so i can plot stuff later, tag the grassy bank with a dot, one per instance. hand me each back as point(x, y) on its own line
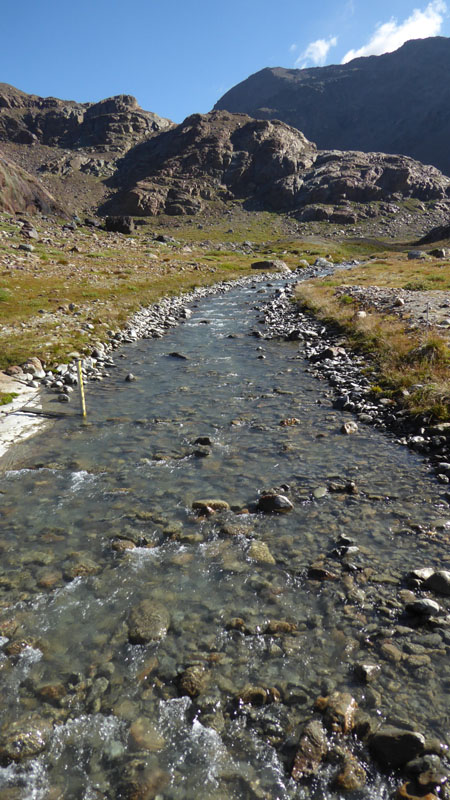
point(73, 286)
point(409, 363)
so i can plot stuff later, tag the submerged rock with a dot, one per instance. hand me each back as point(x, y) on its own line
point(259, 551)
point(26, 737)
point(144, 736)
point(214, 504)
point(194, 680)
point(148, 622)
point(352, 775)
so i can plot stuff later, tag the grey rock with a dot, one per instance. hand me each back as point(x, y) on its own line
point(274, 503)
point(395, 746)
point(423, 608)
point(439, 582)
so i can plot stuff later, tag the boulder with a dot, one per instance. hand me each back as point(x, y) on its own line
point(119, 224)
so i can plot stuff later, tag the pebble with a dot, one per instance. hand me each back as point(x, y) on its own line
point(258, 551)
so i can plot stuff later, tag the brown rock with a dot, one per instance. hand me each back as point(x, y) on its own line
point(259, 695)
point(144, 736)
point(52, 692)
point(352, 776)
point(194, 680)
point(280, 626)
point(311, 751)
point(26, 737)
point(410, 791)
point(148, 622)
point(339, 711)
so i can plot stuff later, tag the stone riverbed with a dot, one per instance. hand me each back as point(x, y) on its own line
point(223, 584)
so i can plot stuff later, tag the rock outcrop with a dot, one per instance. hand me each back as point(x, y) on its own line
point(265, 164)
point(113, 124)
point(394, 103)
point(123, 161)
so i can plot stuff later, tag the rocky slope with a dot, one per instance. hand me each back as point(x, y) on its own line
point(266, 164)
point(395, 103)
point(69, 146)
point(21, 192)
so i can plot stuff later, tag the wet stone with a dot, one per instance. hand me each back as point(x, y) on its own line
point(349, 427)
point(24, 738)
point(144, 736)
point(352, 776)
point(411, 791)
point(312, 749)
point(274, 503)
point(439, 582)
point(194, 680)
point(214, 504)
point(367, 672)
point(258, 551)
point(338, 710)
point(148, 622)
point(52, 692)
point(258, 696)
point(395, 747)
point(423, 608)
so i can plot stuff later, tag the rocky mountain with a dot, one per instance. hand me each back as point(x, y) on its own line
point(113, 158)
point(67, 146)
point(114, 124)
point(395, 103)
point(267, 165)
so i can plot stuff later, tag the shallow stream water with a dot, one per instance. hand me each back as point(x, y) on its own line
point(120, 718)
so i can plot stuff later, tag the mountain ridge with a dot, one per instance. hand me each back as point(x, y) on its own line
point(394, 103)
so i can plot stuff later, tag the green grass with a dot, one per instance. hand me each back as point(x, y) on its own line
point(7, 397)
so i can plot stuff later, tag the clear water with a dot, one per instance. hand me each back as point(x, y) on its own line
point(131, 470)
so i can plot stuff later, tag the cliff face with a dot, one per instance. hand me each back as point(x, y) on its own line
point(395, 103)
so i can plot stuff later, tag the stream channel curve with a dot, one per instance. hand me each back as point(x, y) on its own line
point(149, 651)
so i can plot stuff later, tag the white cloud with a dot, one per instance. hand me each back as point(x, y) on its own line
point(316, 52)
point(389, 36)
point(293, 48)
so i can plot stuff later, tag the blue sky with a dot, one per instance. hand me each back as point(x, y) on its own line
point(178, 57)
